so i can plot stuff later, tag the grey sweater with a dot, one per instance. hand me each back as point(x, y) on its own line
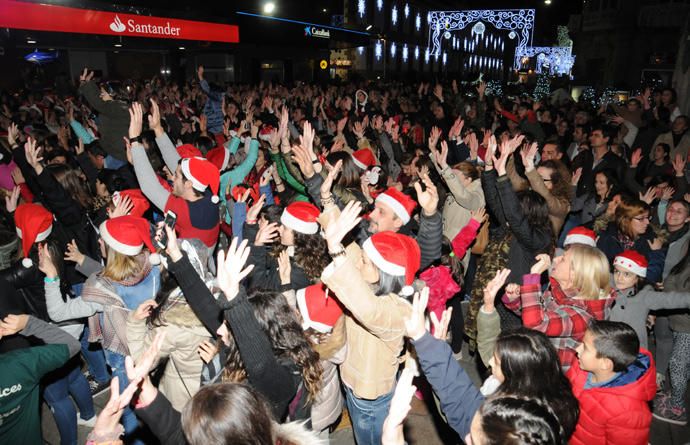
point(633, 308)
point(50, 334)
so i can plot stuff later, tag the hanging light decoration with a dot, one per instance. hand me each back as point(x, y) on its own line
point(361, 7)
point(378, 50)
point(404, 53)
point(379, 4)
point(394, 48)
point(394, 15)
point(416, 52)
point(406, 10)
point(418, 22)
point(426, 55)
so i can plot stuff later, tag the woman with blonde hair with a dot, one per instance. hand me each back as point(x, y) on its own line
point(631, 230)
point(578, 292)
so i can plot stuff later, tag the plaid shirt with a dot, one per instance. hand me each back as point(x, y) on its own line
point(558, 314)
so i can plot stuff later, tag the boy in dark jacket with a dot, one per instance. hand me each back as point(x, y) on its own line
point(613, 379)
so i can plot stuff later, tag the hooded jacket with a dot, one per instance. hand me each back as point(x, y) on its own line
point(618, 412)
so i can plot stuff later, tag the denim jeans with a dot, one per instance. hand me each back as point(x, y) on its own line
point(93, 353)
point(367, 416)
point(69, 381)
point(129, 419)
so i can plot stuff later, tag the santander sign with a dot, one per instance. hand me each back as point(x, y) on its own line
point(42, 17)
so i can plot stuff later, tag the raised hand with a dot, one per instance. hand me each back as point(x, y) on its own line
point(12, 200)
point(542, 265)
point(348, 220)
point(266, 234)
point(341, 125)
point(231, 270)
point(492, 288)
point(330, 178)
point(303, 159)
point(207, 350)
point(358, 130)
point(392, 433)
point(656, 244)
point(636, 157)
point(528, 156)
point(679, 165)
point(414, 326)
point(253, 212)
point(478, 215)
point(441, 326)
point(428, 199)
point(441, 157)
point(136, 118)
point(284, 267)
point(502, 160)
point(13, 135)
point(79, 149)
point(123, 206)
point(144, 309)
point(108, 421)
point(86, 75)
point(648, 196)
point(307, 138)
point(73, 254)
point(456, 129)
point(45, 261)
point(434, 136)
point(575, 179)
point(668, 193)
point(33, 156)
point(155, 118)
point(12, 324)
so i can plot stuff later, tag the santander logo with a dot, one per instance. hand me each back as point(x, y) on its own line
point(117, 25)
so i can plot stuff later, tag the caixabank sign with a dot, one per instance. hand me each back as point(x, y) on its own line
point(42, 17)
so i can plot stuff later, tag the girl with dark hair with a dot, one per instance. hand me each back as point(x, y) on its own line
point(368, 283)
point(262, 341)
point(590, 206)
point(184, 331)
point(300, 240)
point(523, 411)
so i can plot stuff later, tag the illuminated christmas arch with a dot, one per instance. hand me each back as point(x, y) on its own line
point(554, 60)
point(520, 23)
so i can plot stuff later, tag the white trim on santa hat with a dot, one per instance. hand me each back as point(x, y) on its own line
point(395, 205)
point(226, 159)
point(124, 249)
point(294, 223)
point(630, 265)
point(382, 263)
point(579, 239)
point(184, 166)
point(358, 163)
point(39, 237)
point(308, 322)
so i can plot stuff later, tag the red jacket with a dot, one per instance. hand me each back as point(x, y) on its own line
point(611, 416)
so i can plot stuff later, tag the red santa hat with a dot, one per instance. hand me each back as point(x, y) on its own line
point(203, 175)
point(319, 308)
point(265, 133)
point(395, 254)
point(401, 204)
point(139, 201)
point(219, 156)
point(632, 261)
point(33, 224)
point(363, 158)
point(301, 217)
point(128, 235)
point(581, 235)
point(188, 151)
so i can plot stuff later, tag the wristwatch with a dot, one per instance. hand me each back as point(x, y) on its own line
point(135, 139)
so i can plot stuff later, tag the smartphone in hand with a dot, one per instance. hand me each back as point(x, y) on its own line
point(170, 220)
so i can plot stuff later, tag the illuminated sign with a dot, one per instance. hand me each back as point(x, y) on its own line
point(313, 31)
point(42, 17)
point(341, 62)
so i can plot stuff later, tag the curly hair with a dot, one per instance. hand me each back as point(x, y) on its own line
point(560, 179)
point(279, 322)
point(311, 253)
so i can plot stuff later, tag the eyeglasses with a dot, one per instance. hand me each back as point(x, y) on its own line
point(642, 218)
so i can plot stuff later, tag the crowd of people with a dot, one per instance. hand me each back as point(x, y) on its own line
point(239, 264)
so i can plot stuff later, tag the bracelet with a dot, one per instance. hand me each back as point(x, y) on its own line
point(315, 161)
point(338, 253)
point(50, 280)
point(251, 221)
point(135, 139)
